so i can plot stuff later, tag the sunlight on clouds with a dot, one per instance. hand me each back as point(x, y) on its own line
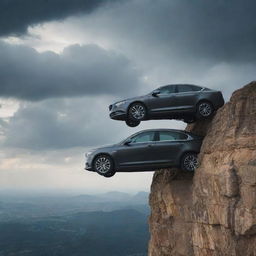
point(13, 40)
point(44, 37)
point(55, 36)
point(8, 107)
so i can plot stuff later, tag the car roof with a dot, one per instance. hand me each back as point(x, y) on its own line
point(183, 84)
point(194, 85)
point(163, 129)
point(159, 130)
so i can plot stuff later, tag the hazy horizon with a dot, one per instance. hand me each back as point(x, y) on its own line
point(63, 192)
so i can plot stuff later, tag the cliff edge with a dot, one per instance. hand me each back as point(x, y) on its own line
point(213, 211)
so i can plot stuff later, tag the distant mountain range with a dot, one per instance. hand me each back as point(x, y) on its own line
point(22, 208)
point(115, 196)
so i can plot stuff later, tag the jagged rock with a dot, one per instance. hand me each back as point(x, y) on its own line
point(212, 212)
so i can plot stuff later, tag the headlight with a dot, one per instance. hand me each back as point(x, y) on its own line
point(118, 104)
point(88, 154)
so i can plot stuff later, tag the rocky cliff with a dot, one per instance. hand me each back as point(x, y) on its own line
point(212, 212)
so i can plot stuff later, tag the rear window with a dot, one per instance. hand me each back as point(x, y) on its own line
point(171, 136)
point(188, 88)
point(196, 88)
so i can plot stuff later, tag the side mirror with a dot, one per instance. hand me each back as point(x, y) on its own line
point(155, 93)
point(128, 142)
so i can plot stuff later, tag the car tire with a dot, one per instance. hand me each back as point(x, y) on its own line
point(204, 109)
point(189, 120)
point(137, 111)
point(109, 175)
point(189, 162)
point(132, 123)
point(104, 165)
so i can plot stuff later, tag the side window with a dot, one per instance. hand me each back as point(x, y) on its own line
point(143, 137)
point(196, 88)
point(171, 136)
point(184, 88)
point(167, 89)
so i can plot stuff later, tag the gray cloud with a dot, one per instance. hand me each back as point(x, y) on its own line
point(218, 30)
point(212, 43)
point(16, 15)
point(78, 70)
point(62, 123)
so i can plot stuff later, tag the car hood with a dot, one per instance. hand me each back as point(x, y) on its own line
point(103, 147)
point(132, 99)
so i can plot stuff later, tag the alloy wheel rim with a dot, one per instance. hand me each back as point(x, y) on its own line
point(205, 109)
point(190, 162)
point(102, 165)
point(138, 112)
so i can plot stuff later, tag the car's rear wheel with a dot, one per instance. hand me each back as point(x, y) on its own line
point(137, 112)
point(204, 109)
point(103, 165)
point(132, 123)
point(189, 162)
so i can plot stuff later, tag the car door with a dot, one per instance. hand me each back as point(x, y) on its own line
point(168, 147)
point(186, 96)
point(164, 102)
point(137, 154)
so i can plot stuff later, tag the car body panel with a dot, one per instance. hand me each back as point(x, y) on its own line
point(147, 156)
point(127, 156)
point(176, 105)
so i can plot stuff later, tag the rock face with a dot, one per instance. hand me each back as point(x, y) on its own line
point(212, 212)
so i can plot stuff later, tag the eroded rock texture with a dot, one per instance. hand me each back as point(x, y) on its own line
point(214, 211)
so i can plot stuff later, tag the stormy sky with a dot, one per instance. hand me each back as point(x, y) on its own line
point(63, 62)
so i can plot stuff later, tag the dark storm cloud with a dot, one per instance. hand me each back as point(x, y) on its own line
point(62, 123)
point(17, 15)
point(79, 70)
point(219, 30)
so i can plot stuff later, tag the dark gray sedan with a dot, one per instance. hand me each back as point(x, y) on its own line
point(177, 101)
point(146, 151)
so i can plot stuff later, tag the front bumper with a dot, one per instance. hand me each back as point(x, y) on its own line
point(89, 162)
point(88, 167)
point(118, 112)
point(118, 115)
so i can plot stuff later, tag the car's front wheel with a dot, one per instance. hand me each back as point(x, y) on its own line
point(137, 112)
point(103, 165)
point(110, 174)
point(204, 109)
point(189, 162)
point(132, 123)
